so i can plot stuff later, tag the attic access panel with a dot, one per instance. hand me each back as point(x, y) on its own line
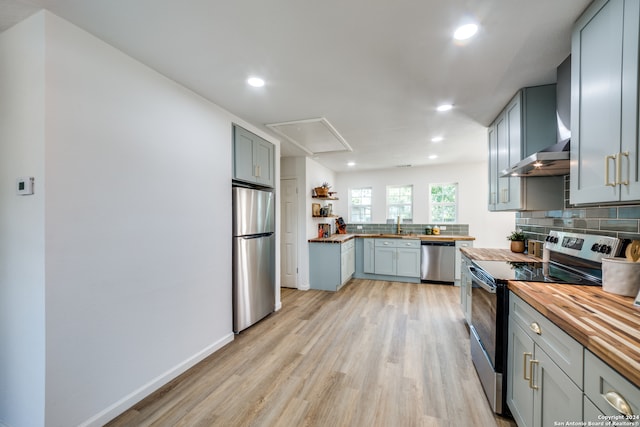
point(314, 136)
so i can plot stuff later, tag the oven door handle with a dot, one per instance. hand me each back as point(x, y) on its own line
point(487, 287)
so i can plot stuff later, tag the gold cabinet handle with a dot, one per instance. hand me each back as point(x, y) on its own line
point(504, 195)
point(531, 363)
point(619, 171)
point(606, 169)
point(618, 402)
point(524, 366)
point(535, 327)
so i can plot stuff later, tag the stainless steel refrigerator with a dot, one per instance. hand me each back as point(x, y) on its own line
point(253, 256)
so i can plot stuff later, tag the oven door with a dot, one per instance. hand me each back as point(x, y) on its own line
point(488, 323)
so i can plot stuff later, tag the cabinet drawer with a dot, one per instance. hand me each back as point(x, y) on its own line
point(347, 245)
point(566, 352)
point(406, 243)
point(390, 243)
point(600, 379)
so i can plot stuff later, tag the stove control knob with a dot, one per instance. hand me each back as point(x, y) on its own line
point(595, 247)
point(604, 249)
point(554, 239)
point(547, 239)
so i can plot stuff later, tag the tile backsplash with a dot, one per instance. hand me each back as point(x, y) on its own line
point(452, 229)
point(617, 221)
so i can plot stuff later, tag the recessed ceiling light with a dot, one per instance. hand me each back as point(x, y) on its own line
point(255, 81)
point(465, 32)
point(437, 139)
point(433, 156)
point(444, 107)
point(351, 164)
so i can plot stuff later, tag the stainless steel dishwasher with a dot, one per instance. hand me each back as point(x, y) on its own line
point(437, 261)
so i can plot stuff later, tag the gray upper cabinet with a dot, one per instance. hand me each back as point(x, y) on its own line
point(253, 158)
point(525, 126)
point(493, 167)
point(604, 103)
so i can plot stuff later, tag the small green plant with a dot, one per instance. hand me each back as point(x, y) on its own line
point(516, 235)
point(325, 185)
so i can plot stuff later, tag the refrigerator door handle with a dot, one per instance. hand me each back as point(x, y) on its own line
point(256, 236)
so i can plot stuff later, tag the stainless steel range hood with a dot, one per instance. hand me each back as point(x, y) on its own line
point(553, 160)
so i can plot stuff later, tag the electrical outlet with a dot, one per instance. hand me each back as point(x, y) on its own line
point(358, 227)
point(443, 227)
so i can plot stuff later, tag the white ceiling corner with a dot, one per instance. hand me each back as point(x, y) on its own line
point(314, 136)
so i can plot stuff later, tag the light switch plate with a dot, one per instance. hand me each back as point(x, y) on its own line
point(24, 185)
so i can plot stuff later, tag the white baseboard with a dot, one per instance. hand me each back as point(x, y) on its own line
point(131, 399)
point(304, 287)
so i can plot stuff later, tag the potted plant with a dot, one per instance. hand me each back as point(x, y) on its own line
point(517, 238)
point(323, 190)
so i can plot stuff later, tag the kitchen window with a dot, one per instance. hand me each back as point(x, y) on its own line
point(443, 199)
point(400, 202)
point(360, 205)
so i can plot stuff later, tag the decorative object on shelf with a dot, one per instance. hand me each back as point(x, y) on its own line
point(324, 230)
point(323, 190)
point(517, 241)
point(341, 226)
point(315, 209)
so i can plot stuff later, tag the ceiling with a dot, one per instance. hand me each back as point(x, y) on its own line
point(374, 69)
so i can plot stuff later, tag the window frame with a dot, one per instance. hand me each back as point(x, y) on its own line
point(390, 205)
point(360, 206)
point(433, 204)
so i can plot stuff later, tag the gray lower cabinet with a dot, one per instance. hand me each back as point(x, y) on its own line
point(368, 255)
point(458, 271)
point(607, 393)
point(465, 288)
point(544, 369)
point(548, 371)
point(397, 257)
point(347, 260)
point(331, 265)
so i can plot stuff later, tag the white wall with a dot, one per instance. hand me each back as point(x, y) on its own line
point(134, 232)
point(22, 254)
point(489, 228)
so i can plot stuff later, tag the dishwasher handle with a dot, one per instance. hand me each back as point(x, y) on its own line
point(428, 243)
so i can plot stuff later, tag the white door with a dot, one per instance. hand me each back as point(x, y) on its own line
point(289, 233)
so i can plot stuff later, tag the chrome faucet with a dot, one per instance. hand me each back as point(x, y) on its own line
point(398, 228)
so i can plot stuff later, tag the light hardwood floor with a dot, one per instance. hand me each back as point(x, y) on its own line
point(373, 354)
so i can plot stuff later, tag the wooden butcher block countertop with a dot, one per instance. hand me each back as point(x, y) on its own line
point(607, 324)
point(484, 254)
point(340, 238)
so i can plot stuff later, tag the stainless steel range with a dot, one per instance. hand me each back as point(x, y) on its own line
point(569, 258)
